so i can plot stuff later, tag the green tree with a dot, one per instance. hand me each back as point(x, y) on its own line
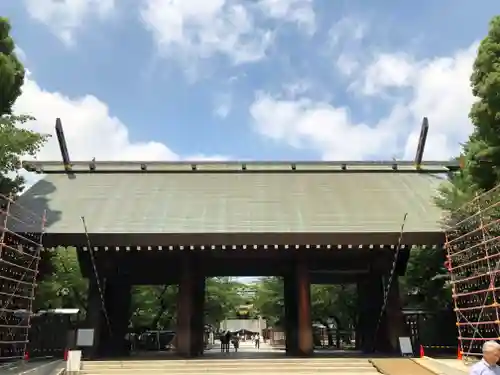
point(268, 299)
point(425, 285)
point(11, 69)
point(15, 141)
point(63, 284)
point(153, 307)
point(223, 296)
point(333, 306)
point(483, 149)
point(426, 278)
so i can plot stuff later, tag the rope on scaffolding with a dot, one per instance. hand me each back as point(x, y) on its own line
point(96, 274)
point(389, 281)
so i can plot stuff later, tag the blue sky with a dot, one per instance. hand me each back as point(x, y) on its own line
point(248, 79)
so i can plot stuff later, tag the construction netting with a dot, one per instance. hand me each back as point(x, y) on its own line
point(473, 251)
point(19, 260)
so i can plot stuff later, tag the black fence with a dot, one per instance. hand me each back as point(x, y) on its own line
point(49, 334)
point(435, 332)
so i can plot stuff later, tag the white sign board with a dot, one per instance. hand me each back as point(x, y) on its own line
point(74, 361)
point(405, 346)
point(85, 337)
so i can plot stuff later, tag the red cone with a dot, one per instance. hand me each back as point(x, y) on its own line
point(422, 354)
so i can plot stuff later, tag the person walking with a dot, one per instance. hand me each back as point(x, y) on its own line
point(236, 343)
point(488, 365)
point(257, 341)
point(228, 341)
point(222, 339)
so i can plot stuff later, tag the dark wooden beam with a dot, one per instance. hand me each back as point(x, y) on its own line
point(421, 142)
point(62, 144)
point(206, 239)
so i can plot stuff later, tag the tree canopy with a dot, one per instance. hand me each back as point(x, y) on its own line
point(483, 148)
point(15, 140)
point(426, 276)
point(11, 69)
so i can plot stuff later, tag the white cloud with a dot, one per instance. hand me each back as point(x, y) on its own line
point(208, 158)
point(298, 88)
point(319, 126)
point(298, 11)
point(389, 71)
point(347, 30)
point(200, 29)
point(204, 28)
point(90, 130)
point(346, 64)
point(21, 55)
point(222, 106)
point(438, 88)
point(441, 91)
point(65, 17)
point(346, 44)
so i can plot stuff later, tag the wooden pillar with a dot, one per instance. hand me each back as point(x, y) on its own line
point(305, 345)
point(118, 298)
point(377, 325)
point(291, 314)
point(95, 318)
point(362, 316)
point(394, 319)
point(184, 308)
point(370, 294)
point(197, 317)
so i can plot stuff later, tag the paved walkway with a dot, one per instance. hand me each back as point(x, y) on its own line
point(270, 360)
point(44, 367)
point(249, 347)
point(247, 361)
point(443, 366)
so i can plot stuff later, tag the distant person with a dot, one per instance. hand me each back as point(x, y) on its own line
point(257, 341)
point(224, 343)
point(228, 341)
point(236, 343)
point(488, 365)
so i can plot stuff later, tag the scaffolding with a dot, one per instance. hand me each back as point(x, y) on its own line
point(473, 260)
point(19, 261)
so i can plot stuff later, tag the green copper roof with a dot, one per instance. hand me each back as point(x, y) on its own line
point(200, 202)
